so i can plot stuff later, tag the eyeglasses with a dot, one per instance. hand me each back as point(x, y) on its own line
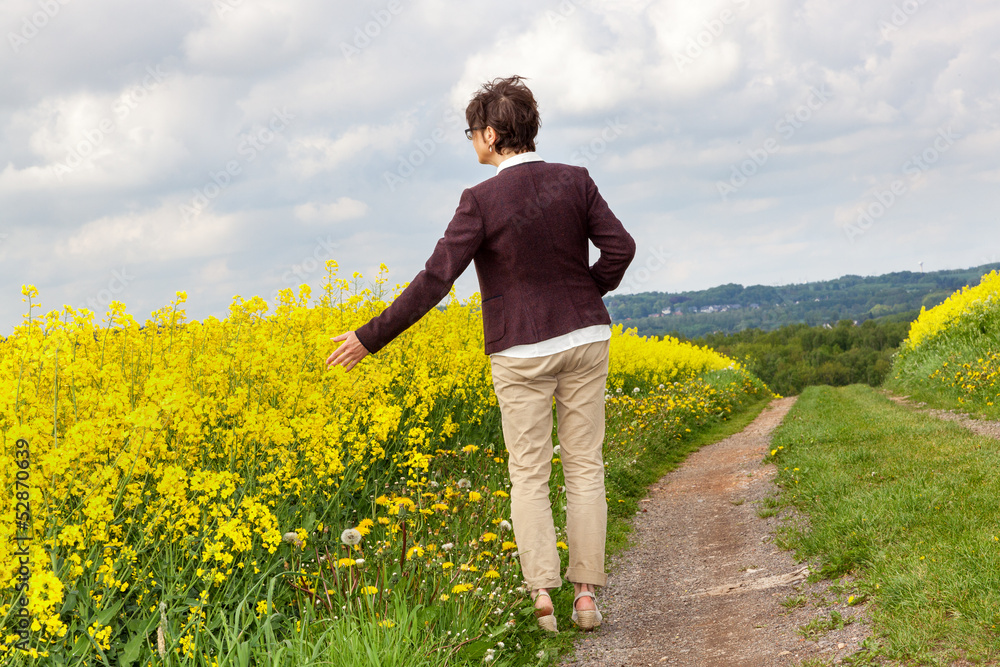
point(469, 131)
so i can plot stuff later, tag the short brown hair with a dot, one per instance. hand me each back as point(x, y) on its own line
point(507, 106)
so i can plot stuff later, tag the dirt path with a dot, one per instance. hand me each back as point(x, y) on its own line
point(990, 429)
point(705, 583)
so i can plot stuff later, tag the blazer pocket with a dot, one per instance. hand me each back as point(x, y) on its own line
point(494, 324)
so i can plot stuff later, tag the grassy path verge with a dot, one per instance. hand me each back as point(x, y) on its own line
point(909, 504)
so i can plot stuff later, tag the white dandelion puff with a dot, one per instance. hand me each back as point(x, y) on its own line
point(350, 537)
point(161, 644)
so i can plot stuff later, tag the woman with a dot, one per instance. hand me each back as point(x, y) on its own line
point(545, 328)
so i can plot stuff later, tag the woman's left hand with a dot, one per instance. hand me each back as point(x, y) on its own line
point(349, 354)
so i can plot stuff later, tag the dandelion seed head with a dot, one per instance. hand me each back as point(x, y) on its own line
point(350, 537)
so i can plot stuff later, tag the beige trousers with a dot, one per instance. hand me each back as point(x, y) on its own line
point(525, 389)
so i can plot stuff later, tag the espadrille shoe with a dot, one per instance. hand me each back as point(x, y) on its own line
point(586, 619)
point(545, 622)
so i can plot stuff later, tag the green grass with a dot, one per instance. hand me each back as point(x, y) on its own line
point(794, 602)
point(818, 627)
point(909, 504)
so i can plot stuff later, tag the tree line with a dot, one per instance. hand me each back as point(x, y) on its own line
point(798, 355)
point(732, 308)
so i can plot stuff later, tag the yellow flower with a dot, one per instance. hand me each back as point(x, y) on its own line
point(461, 588)
point(365, 526)
point(369, 590)
point(175, 402)
point(447, 565)
point(562, 545)
point(491, 574)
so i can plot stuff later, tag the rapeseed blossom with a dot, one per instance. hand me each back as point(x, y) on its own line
point(205, 437)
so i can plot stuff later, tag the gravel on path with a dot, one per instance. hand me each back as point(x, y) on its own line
point(990, 429)
point(705, 582)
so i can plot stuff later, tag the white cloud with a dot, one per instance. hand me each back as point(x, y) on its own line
point(686, 125)
point(318, 153)
point(344, 208)
point(158, 235)
point(567, 74)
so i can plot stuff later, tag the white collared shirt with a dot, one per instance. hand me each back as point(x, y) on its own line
point(566, 341)
point(520, 158)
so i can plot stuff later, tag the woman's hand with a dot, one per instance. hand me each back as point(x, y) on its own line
point(349, 354)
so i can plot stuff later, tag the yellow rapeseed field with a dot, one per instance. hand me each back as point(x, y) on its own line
point(963, 303)
point(953, 350)
point(177, 467)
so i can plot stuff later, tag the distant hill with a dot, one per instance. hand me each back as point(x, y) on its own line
point(731, 308)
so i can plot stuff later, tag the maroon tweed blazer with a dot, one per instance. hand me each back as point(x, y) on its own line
point(527, 230)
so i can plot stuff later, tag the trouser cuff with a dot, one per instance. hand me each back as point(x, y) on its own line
point(579, 575)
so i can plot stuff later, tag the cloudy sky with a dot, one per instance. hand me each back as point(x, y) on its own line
point(228, 147)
